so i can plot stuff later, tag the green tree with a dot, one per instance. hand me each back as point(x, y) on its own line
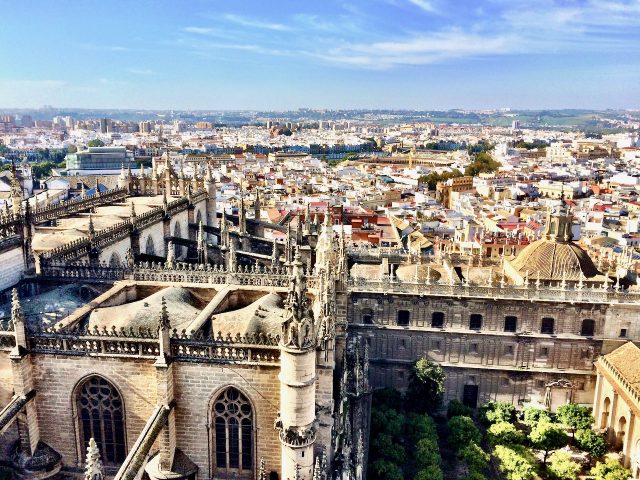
point(562, 467)
point(516, 462)
point(426, 386)
point(384, 470)
point(462, 431)
point(482, 163)
point(548, 436)
point(610, 470)
point(387, 420)
point(475, 457)
point(42, 170)
point(72, 149)
point(534, 415)
point(475, 475)
point(457, 408)
point(574, 416)
point(591, 442)
point(432, 179)
point(432, 472)
point(504, 433)
point(418, 426)
point(492, 412)
point(427, 453)
point(386, 448)
point(96, 142)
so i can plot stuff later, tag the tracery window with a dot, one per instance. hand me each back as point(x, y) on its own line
point(233, 431)
point(101, 417)
point(150, 248)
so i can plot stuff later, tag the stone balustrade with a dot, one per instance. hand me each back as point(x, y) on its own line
point(553, 293)
point(144, 343)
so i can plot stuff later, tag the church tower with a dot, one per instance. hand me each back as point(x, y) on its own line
point(297, 381)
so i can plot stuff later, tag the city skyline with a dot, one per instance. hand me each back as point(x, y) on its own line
point(413, 54)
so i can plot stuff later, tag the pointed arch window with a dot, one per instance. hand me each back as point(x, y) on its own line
point(101, 417)
point(233, 431)
point(150, 248)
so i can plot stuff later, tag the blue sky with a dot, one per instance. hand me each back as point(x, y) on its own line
point(271, 55)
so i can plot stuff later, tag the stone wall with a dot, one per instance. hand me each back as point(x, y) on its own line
point(197, 385)
point(503, 365)
point(56, 379)
point(13, 267)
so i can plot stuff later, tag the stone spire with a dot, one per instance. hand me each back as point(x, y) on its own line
point(224, 231)
point(274, 254)
point(164, 333)
point(92, 230)
point(165, 203)
point(210, 187)
point(93, 469)
point(262, 473)
point(232, 261)
point(132, 215)
point(257, 206)
point(307, 220)
point(123, 181)
point(317, 469)
point(203, 255)
point(171, 256)
point(242, 219)
point(298, 327)
point(16, 191)
point(17, 314)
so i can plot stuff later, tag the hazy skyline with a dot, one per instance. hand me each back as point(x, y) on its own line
point(422, 54)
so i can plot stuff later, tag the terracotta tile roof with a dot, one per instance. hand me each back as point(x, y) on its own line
point(626, 359)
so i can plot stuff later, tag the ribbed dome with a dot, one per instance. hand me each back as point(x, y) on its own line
point(549, 260)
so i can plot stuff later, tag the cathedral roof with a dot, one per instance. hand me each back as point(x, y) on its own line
point(182, 308)
point(262, 316)
point(550, 260)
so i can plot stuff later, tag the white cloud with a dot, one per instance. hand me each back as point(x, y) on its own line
point(419, 49)
point(141, 71)
point(425, 5)
point(255, 23)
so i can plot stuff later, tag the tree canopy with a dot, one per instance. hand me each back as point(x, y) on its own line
point(548, 436)
point(432, 179)
point(482, 163)
point(575, 416)
point(426, 386)
point(96, 142)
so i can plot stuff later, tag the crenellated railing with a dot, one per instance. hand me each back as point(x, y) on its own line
point(78, 204)
point(254, 276)
point(144, 343)
point(554, 293)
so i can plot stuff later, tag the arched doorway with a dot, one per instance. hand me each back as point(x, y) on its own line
point(620, 432)
point(470, 394)
point(233, 435)
point(100, 415)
